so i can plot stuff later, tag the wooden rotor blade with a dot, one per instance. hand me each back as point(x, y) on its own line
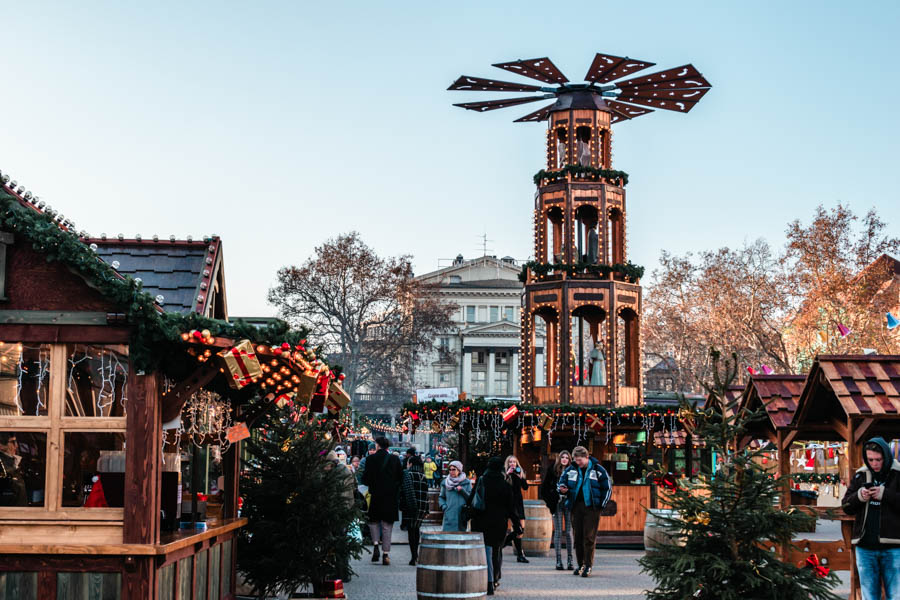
point(541, 69)
point(676, 105)
point(626, 111)
point(477, 84)
point(607, 67)
point(495, 104)
point(686, 76)
point(691, 95)
point(538, 115)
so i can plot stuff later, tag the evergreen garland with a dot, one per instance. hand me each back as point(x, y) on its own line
point(631, 271)
point(829, 478)
point(486, 410)
point(154, 333)
point(580, 171)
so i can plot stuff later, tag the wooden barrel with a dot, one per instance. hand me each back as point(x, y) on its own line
point(452, 565)
point(435, 514)
point(656, 533)
point(538, 529)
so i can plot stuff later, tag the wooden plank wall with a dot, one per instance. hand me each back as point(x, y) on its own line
point(630, 517)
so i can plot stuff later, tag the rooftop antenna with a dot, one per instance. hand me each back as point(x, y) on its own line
point(484, 243)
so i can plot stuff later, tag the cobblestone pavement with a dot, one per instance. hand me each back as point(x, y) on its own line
point(616, 576)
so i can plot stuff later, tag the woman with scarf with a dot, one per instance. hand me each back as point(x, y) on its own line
point(515, 477)
point(414, 500)
point(454, 493)
point(562, 515)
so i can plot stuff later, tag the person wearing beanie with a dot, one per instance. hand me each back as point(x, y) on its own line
point(454, 496)
point(873, 497)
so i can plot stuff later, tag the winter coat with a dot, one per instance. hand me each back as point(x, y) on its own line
point(549, 493)
point(414, 498)
point(498, 508)
point(12, 484)
point(383, 476)
point(518, 485)
point(452, 503)
point(601, 486)
point(853, 504)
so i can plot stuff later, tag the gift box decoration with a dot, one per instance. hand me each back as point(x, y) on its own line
point(243, 366)
point(436, 427)
point(333, 589)
point(510, 412)
point(454, 421)
point(323, 380)
point(337, 398)
point(594, 422)
point(307, 386)
point(546, 422)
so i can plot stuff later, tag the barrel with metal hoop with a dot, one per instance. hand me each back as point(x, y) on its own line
point(435, 514)
point(538, 528)
point(451, 566)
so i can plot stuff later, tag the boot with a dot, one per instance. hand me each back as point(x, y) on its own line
point(376, 554)
point(559, 566)
point(520, 556)
point(569, 566)
point(385, 559)
point(490, 590)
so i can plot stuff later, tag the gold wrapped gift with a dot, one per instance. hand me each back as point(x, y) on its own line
point(243, 366)
point(307, 386)
point(337, 398)
point(546, 422)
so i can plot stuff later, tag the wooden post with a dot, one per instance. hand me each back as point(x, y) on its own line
point(142, 457)
point(784, 468)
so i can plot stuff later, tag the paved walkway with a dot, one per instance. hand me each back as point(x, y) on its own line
point(616, 576)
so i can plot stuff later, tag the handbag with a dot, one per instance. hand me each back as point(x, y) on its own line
point(610, 509)
point(478, 496)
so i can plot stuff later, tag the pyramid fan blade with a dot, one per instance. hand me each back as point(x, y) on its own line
point(685, 83)
point(627, 111)
point(495, 104)
point(691, 95)
point(477, 84)
point(676, 105)
point(541, 69)
point(538, 115)
point(686, 75)
point(607, 67)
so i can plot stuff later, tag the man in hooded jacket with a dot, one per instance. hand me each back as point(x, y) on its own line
point(873, 497)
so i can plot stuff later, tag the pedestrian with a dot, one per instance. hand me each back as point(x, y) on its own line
point(414, 497)
point(12, 492)
point(515, 476)
point(430, 468)
point(360, 475)
point(587, 488)
point(453, 497)
point(562, 516)
point(492, 501)
point(354, 464)
point(383, 476)
point(873, 497)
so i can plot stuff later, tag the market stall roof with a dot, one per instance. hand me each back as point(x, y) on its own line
point(187, 274)
point(778, 394)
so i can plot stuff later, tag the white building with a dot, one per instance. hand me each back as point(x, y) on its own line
point(480, 356)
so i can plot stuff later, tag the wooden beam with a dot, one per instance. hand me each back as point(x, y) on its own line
point(174, 399)
point(789, 437)
point(784, 466)
point(142, 458)
point(862, 429)
point(840, 427)
point(51, 317)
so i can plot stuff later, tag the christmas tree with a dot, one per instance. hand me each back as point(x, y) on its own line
point(724, 523)
point(303, 522)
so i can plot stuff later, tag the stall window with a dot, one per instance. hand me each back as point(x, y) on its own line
point(18, 586)
point(23, 468)
point(88, 586)
point(93, 469)
point(24, 379)
point(96, 381)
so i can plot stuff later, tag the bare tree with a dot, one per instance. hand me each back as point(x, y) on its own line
point(370, 312)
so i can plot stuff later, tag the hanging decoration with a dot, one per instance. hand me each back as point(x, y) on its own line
point(594, 422)
point(844, 331)
point(207, 415)
point(242, 364)
point(892, 321)
point(812, 561)
point(767, 370)
point(337, 397)
point(546, 422)
point(510, 412)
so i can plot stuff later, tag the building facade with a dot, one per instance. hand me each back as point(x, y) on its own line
point(480, 356)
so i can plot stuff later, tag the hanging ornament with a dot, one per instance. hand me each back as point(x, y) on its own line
point(844, 331)
point(510, 412)
point(751, 370)
point(594, 422)
point(823, 337)
point(242, 364)
point(813, 562)
point(767, 370)
point(546, 422)
point(436, 427)
point(337, 398)
point(892, 321)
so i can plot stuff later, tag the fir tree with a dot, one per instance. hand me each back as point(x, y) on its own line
point(724, 522)
point(299, 505)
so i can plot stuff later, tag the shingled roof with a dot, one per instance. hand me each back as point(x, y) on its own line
point(864, 385)
point(779, 394)
point(187, 274)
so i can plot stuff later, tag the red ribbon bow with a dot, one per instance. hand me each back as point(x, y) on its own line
point(813, 561)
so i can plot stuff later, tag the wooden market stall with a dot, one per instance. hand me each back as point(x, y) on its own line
point(91, 368)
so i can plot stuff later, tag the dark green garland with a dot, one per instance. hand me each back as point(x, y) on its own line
point(619, 177)
point(154, 334)
point(829, 478)
point(631, 271)
point(426, 410)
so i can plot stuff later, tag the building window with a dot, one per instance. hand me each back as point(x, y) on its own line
point(501, 383)
point(509, 313)
point(470, 314)
point(444, 379)
point(444, 344)
point(455, 279)
point(479, 378)
point(479, 357)
point(495, 314)
point(482, 314)
point(501, 359)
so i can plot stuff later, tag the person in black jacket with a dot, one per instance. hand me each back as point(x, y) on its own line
point(562, 516)
point(383, 476)
point(515, 477)
point(414, 500)
point(497, 497)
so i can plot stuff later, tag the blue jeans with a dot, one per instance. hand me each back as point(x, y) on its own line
point(490, 562)
point(875, 566)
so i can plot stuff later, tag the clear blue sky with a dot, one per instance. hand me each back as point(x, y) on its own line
point(279, 124)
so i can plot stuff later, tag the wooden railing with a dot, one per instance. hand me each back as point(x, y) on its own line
point(628, 396)
point(546, 394)
point(591, 395)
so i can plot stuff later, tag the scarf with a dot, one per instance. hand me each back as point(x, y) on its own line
point(452, 482)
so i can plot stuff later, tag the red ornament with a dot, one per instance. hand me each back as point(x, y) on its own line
point(341, 377)
point(277, 351)
point(285, 346)
point(813, 561)
point(197, 334)
point(751, 370)
point(510, 412)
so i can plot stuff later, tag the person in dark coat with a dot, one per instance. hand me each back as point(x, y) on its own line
point(383, 475)
point(497, 497)
point(414, 499)
point(515, 477)
point(12, 483)
point(562, 516)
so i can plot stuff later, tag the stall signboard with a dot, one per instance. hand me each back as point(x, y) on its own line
point(449, 394)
